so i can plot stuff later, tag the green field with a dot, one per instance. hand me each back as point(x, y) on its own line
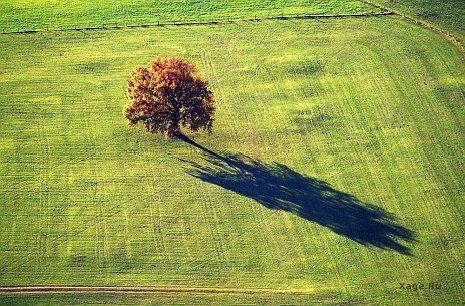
point(21, 15)
point(446, 14)
point(335, 169)
point(164, 299)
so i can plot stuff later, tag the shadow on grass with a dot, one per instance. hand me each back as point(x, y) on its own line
point(276, 186)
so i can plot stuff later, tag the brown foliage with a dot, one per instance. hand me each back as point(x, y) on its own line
point(168, 95)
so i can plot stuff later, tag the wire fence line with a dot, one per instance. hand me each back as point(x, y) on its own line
point(185, 22)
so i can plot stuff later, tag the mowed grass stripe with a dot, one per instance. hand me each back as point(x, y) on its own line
point(324, 98)
point(411, 161)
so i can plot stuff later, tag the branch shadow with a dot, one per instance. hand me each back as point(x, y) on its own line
point(276, 186)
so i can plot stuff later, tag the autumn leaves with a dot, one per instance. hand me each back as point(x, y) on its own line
point(167, 96)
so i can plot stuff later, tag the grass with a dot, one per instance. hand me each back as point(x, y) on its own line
point(365, 112)
point(446, 14)
point(161, 299)
point(56, 14)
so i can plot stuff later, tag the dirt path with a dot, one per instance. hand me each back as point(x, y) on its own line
point(145, 289)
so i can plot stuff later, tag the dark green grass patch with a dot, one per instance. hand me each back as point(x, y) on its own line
point(446, 14)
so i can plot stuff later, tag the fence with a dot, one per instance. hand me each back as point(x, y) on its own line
point(198, 21)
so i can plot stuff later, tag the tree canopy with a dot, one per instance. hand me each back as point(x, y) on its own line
point(167, 95)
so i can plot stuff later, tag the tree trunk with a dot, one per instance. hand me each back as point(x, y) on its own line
point(174, 129)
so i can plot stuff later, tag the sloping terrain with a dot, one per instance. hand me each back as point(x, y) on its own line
point(445, 14)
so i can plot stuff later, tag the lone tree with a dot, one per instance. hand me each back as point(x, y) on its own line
point(169, 95)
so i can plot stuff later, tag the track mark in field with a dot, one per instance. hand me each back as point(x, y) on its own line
point(40, 241)
point(211, 218)
point(112, 140)
point(64, 238)
point(93, 188)
point(462, 268)
point(155, 190)
point(51, 242)
point(147, 289)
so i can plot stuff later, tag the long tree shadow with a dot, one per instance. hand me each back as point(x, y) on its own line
point(276, 186)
